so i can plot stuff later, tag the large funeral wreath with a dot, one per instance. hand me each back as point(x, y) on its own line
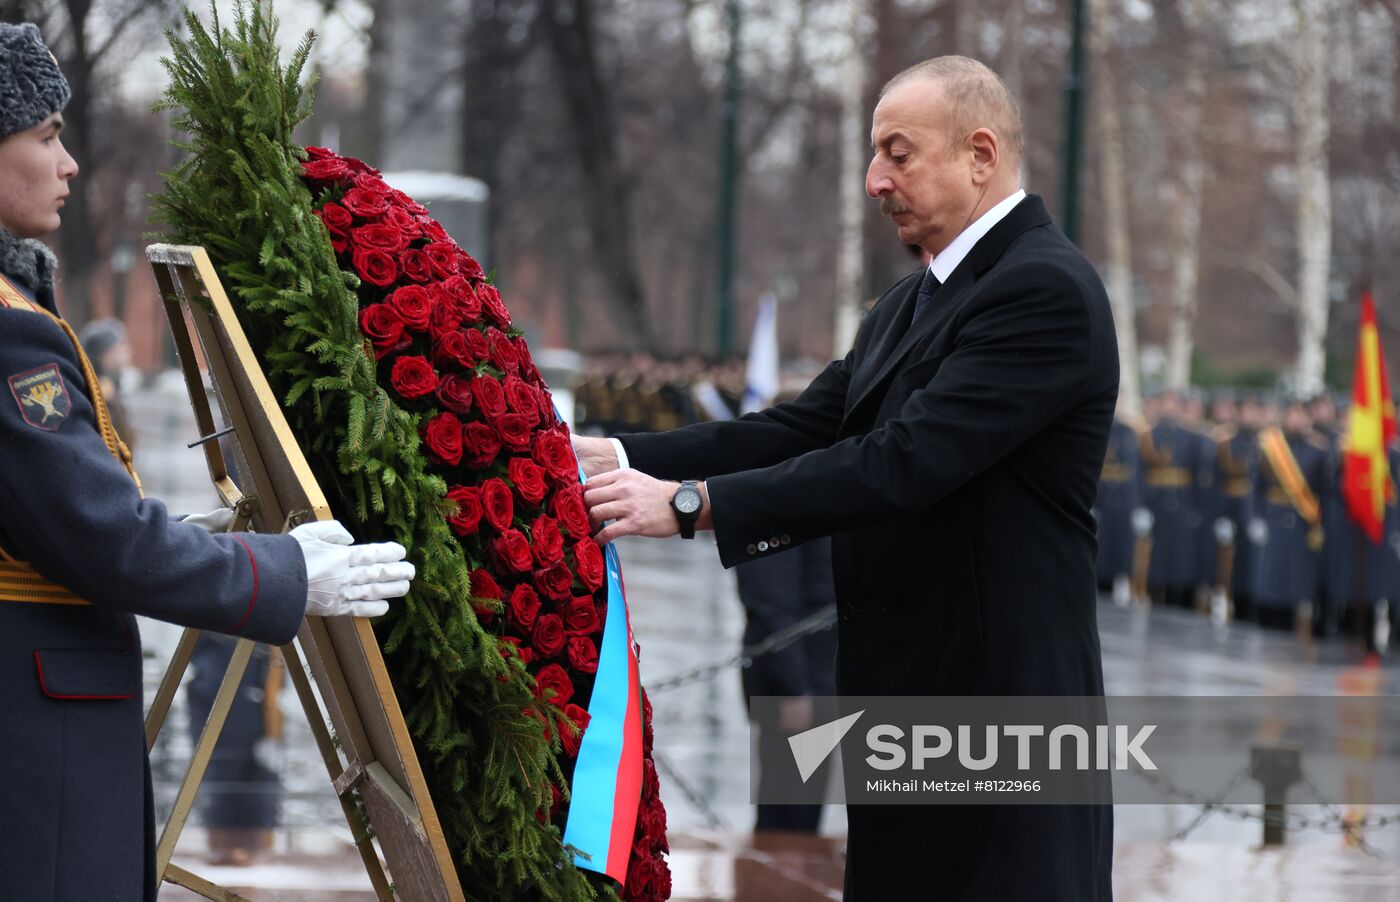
point(423, 414)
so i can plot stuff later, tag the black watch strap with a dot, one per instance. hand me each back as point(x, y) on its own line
point(686, 520)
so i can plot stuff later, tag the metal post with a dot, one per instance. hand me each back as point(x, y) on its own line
point(728, 185)
point(1275, 766)
point(1074, 92)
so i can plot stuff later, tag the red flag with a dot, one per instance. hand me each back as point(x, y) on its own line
point(1366, 483)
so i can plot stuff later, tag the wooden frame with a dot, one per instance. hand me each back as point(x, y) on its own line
point(379, 781)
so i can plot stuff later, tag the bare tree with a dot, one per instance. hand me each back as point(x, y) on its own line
point(1114, 190)
point(1186, 235)
point(1314, 200)
point(571, 36)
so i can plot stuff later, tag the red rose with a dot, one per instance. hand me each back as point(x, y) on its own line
point(548, 635)
point(375, 267)
point(548, 415)
point(499, 503)
point(492, 307)
point(527, 477)
point(463, 297)
point(519, 395)
point(546, 542)
point(557, 799)
point(337, 219)
point(401, 219)
point(503, 355)
point(653, 816)
point(339, 244)
point(411, 208)
point(588, 564)
point(490, 398)
point(484, 586)
point(577, 717)
point(325, 170)
point(662, 877)
point(450, 349)
point(383, 326)
point(468, 517)
point(415, 265)
point(415, 305)
point(554, 583)
point(568, 508)
point(454, 393)
point(321, 153)
point(413, 377)
point(511, 551)
point(527, 363)
point(510, 647)
point(443, 255)
point(467, 266)
point(552, 678)
point(380, 236)
point(583, 654)
point(554, 452)
point(365, 174)
point(580, 616)
point(432, 229)
point(445, 318)
point(365, 203)
point(477, 344)
point(482, 444)
point(651, 786)
point(524, 606)
point(514, 430)
point(443, 437)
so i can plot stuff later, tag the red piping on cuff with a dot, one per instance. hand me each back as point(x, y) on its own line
point(254, 600)
point(43, 687)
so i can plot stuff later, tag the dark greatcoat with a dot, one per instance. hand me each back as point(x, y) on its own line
point(78, 822)
point(1120, 493)
point(955, 463)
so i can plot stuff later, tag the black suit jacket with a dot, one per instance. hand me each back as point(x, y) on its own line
point(955, 463)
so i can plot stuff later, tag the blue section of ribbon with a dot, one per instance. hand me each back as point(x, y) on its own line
point(589, 825)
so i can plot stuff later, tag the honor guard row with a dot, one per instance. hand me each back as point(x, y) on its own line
point(1242, 515)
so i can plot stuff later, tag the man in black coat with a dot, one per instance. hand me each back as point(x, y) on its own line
point(953, 456)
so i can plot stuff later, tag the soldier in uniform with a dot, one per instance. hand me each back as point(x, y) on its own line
point(1170, 455)
point(1207, 502)
point(81, 552)
point(1287, 525)
point(1120, 494)
point(1237, 459)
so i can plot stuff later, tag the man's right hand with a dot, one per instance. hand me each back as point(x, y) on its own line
point(595, 455)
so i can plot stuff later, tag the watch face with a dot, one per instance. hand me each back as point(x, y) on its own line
point(687, 501)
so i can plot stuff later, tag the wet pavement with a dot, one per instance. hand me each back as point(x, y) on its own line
point(685, 614)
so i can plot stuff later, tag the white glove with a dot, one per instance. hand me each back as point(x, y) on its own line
point(1258, 531)
point(1224, 530)
point(1142, 522)
point(214, 521)
point(343, 578)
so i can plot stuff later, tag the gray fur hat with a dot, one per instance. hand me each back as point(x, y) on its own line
point(31, 86)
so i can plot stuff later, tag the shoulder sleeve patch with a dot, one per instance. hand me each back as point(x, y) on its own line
point(42, 397)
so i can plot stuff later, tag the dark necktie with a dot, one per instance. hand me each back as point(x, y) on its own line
point(927, 287)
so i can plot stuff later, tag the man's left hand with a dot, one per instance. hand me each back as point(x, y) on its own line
point(637, 504)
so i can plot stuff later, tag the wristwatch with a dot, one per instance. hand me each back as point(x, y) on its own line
point(686, 502)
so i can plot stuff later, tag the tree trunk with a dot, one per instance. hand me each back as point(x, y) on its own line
point(1186, 250)
point(849, 275)
point(1314, 200)
point(78, 240)
point(569, 24)
point(1119, 268)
